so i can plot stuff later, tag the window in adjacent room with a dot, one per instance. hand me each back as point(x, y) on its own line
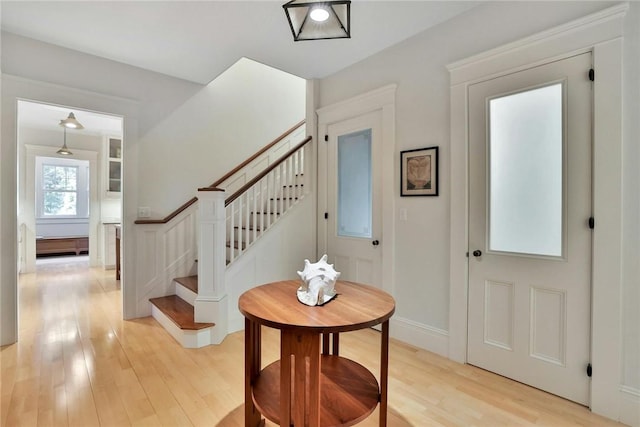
point(63, 188)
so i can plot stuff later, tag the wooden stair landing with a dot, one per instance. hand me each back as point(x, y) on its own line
point(179, 311)
point(189, 282)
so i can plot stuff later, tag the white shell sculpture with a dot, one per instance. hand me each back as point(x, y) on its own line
point(319, 282)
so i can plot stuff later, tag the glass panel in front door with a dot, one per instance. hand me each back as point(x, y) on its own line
point(354, 185)
point(526, 172)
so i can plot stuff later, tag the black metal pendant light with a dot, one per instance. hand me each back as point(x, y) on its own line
point(319, 20)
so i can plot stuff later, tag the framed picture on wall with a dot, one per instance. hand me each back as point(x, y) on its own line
point(419, 172)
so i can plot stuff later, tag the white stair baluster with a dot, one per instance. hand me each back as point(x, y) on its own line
point(262, 183)
point(232, 226)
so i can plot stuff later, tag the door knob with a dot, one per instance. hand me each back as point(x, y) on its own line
point(375, 243)
point(477, 253)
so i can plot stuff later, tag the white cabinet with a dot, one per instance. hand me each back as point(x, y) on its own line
point(113, 156)
point(109, 255)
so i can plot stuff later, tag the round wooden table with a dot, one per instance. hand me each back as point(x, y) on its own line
point(311, 385)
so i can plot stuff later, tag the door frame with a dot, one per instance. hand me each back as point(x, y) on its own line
point(383, 100)
point(16, 88)
point(599, 33)
point(528, 282)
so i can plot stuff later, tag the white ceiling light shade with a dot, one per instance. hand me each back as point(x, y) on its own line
point(319, 20)
point(319, 14)
point(71, 123)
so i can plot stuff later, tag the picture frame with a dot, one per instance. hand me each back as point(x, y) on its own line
point(419, 172)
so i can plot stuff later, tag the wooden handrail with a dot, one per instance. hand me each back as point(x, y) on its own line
point(177, 212)
point(168, 217)
point(256, 155)
point(264, 173)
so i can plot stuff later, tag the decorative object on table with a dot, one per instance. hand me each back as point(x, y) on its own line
point(319, 282)
point(419, 172)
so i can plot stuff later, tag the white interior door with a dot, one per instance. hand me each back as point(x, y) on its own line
point(530, 151)
point(353, 198)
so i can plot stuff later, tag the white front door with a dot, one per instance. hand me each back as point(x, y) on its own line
point(353, 198)
point(530, 151)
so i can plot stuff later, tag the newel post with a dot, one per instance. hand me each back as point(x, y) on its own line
point(211, 302)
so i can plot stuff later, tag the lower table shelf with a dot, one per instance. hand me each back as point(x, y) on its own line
point(348, 392)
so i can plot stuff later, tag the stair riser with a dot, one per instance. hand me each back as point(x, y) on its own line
point(246, 239)
point(287, 179)
point(298, 179)
point(186, 338)
point(256, 220)
point(270, 202)
point(228, 253)
point(277, 205)
point(273, 205)
point(260, 219)
point(186, 294)
point(294, 189)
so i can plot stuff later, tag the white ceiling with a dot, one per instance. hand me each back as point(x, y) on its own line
point(197, 40)
point(46, 116)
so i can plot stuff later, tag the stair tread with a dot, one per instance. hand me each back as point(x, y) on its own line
point(179, 311)
point(189, 282)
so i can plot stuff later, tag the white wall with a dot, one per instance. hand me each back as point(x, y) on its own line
point(157, 94)
point(631, 203)
point(418, 67)
point(150, 103)
point(230, 119)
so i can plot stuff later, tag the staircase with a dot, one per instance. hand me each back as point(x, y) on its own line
point(248, 214)
point(176, 314)
point(255, 210)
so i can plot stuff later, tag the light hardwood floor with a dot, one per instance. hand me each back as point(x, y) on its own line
point(79, 364)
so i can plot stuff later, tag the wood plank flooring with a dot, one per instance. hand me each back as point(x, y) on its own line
point(79, 364)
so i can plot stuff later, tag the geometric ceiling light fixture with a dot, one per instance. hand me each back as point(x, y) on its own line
point(319, 20)
point(71, 123)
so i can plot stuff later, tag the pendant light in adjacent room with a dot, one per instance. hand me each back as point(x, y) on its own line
point(71, 123)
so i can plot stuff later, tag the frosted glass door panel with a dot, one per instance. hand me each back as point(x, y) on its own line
point(526, 178)
point(354, 185)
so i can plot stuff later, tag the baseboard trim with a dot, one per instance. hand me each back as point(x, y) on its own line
point(630, 406)
point(420, 335)
point(236, 325)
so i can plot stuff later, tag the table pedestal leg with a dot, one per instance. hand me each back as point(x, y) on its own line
point(384, 373)
point(300, 379)
point(252, 362)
